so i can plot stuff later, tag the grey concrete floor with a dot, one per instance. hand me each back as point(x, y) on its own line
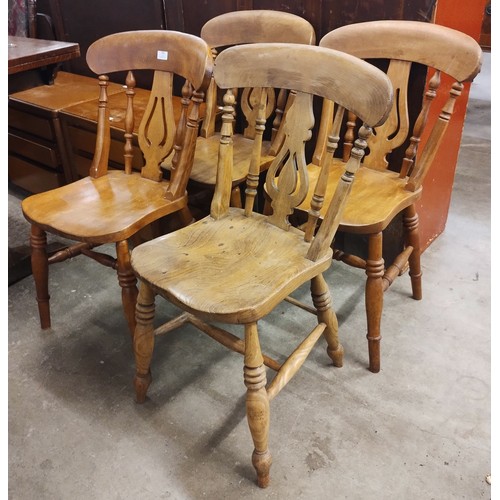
point(420, 429)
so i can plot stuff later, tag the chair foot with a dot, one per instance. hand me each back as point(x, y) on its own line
point(141, 384)
point(416, 286)
point(374, 299)
point(374, 354)
point(262, 464)
point(44, 314)
point(322, 301)
point(336, 355)
point(257, 404)
point(410, 222)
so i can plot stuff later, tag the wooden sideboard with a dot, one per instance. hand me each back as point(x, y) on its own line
point(38, 152)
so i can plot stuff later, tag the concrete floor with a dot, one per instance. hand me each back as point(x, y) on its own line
point(420, 429)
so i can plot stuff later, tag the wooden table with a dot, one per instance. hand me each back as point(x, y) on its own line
point(35, 62)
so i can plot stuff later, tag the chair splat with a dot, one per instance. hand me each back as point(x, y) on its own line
point(287, 181)
point(156, 137)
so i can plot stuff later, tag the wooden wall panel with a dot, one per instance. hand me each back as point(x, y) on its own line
point(197, 12)
point(85, 21)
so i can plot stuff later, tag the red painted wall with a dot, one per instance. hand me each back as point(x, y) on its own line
point(466, 16)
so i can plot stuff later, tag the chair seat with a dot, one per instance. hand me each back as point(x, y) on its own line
point(104, 210)
point(205, 158)
point(270, 263)
point(377, 196)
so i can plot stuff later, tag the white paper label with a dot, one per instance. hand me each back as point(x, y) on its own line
point(162, 55)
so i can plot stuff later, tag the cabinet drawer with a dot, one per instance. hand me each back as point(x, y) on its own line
point(32, 178)
point(31, 124)
point(36, 151)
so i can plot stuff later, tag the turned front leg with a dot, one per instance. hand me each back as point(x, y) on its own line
point(410, 221)
point(323, 303)
point(143, 341)
point(40, 271)
point(257, 404)
point(374, 298)
point(128, 282)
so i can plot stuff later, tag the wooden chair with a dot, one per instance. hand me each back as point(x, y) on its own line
point(110, 206)
point(383, 189)
point(235, 265)
point(234, 28)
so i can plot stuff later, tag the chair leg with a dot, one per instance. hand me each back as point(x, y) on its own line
point(185, 216)
point(40, 270)
point(267, 210)
point(257, 404)
point(410, 221)
point(374, 298)
point(128, 282)
point(236, 197)
point(322, 302)
point(143, 341)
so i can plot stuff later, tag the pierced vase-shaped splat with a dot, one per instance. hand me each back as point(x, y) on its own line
point(287, 181)
point(156, 138)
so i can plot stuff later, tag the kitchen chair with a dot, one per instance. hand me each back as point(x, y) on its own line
point(235, 265)
point(110, 206)
point(234, 28)
point(384, 189)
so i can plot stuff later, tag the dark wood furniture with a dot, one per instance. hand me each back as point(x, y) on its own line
point(38, 157)
point(388, 187)
point(30, 53)
point(44, 56)
point(236, 265)
point(112, 206)
point(39, 154)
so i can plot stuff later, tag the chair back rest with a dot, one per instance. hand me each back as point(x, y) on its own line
point(165, 53)
point(305, 71)
point(404, 43)
point(252, 26)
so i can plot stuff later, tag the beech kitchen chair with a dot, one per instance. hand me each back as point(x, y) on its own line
point(384, 189)
point(235, 28)
point(235, 265)
point(110, 206)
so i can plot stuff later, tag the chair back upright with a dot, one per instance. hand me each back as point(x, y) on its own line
point(246, 27)
point(402, 44)
point(185, 55)
point(349, 81)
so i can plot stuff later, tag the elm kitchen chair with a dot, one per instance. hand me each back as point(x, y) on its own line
point(111, 206)
point(235, 265)
point(383, 188)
